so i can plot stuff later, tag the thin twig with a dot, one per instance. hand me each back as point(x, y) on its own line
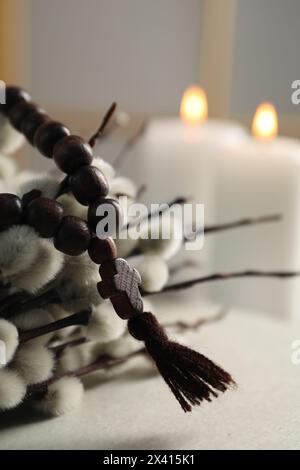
point(225, 276)
point(162, 208)
point(185, 264)
point(59, 349)
point(16, 305)
point(105, 121)
point(181, 326)
point(80, 318)
point(239, 223)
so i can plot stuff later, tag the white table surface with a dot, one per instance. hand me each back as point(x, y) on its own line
point(136, 411)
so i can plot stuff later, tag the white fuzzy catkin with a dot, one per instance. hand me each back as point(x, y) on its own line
point(63, 396)
point(122, 118)
point(80, 269)
point(47, 184)
point(77, 284)
point(104, 167)
point(34, 319)
point(10, 338)
point(72, 207)
point(18, 249)
point(104, 324)
point(75, 357)
point(124, 191)
point(154, 273)
point(120, 347)
point(12, 389)
point(58, 313)
point(126, 246)
point(8, 168)
point(121, 186)
point(34, 363)
point(76, 297)
point(47, 265)
point(10, 139)
point(164, 246)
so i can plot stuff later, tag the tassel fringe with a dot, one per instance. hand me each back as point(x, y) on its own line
point(192, 377)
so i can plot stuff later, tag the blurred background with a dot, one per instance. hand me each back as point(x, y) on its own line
point(78, 56)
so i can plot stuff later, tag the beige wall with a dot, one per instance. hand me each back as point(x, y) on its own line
point(14, 24)
point(79, 55)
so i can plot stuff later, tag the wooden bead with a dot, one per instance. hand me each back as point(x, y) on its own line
point(73, 236)
point(48, 135)
point(13, 96)
point(31, 124)
point(71, 153)
point(11, 210)
point(101, 251)
point(87, 184)
point(18, 113)
point(110, 205)
point(44, 215)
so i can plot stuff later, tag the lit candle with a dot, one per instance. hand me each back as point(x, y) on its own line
point(261, 177)
point(176, 157)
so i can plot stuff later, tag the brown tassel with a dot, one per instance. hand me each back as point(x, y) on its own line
point(191, 376)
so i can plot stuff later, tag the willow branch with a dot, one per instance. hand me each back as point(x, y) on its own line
point(239, 223)
point(103, 363)
point(226, 276)
point(80, 318)
point(209, 229)
point(17, 304)
point(163, 207)
point(105, 121)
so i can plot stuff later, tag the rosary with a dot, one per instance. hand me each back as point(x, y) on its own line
point(190, 376)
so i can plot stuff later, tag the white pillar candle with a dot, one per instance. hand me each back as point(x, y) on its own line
point(261, 177)
point(176, 157)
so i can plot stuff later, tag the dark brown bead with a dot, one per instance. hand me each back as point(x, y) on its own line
point(14, 94)
point(107, 270)
point(102, 250)
point(18, 113)
point(31, 124)
point(71, 153)
point(73, 236)
point(111, 208)
point(48, 135)
point(11, 210)
point(44, 215)
point(30, 196)
point(87, 184)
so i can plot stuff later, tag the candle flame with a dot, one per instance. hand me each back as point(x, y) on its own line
point(265, 122)
point(193, 108)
